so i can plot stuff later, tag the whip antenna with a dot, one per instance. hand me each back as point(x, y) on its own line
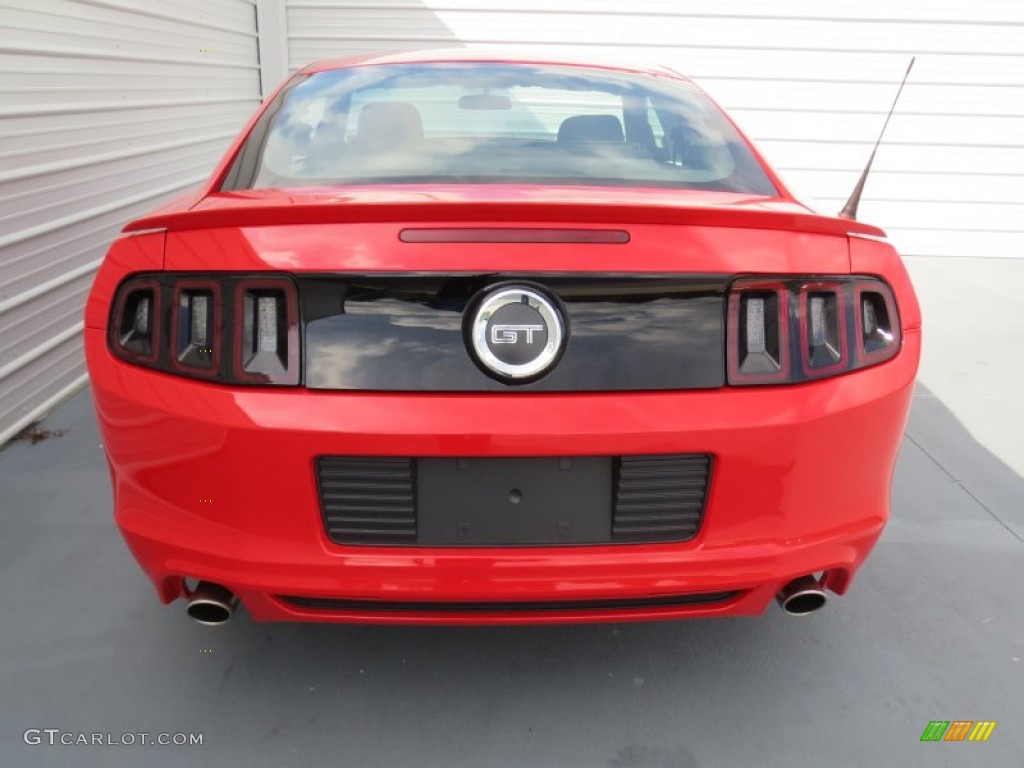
point(850, 209)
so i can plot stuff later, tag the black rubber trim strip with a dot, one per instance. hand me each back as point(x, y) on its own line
point(386, 606)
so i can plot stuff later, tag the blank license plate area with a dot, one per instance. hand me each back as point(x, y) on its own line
point(514, 501)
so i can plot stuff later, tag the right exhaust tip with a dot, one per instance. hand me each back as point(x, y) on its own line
point(802, 596)
point(211, 604)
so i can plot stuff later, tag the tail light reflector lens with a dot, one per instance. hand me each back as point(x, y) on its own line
point(135, 329)
point(197, 326)
point(758, 335)
point(268, 347)
point(877, 324)
point(824, 346)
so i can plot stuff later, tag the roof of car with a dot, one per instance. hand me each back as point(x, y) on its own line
point(493, 56)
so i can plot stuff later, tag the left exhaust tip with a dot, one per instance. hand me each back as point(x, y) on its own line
point(802, 596)
point(211, 604)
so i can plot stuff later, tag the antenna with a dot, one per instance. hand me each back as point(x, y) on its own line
point(850, 209)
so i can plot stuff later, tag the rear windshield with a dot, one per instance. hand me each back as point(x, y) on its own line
point(494, 123)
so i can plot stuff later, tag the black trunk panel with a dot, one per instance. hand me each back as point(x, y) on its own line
point(405, 332)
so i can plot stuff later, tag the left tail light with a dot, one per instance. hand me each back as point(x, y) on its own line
point(134, 329)
point(267, 325)
point(233, 329)
point(196, 327)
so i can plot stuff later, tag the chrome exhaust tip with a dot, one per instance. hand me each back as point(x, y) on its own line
point(802, 596)
point(211, 604)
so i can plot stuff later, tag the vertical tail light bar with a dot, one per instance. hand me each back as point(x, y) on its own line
point(826, 326)
point(267, 325)
point(134, 330)
point(878, 331)
point(823, 342)
point(759, 333)
point(197, 327)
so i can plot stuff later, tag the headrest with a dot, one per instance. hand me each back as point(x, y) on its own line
point(385, 124)
point(591, 128)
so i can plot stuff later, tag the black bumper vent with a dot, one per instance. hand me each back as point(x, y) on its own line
point(660, 498)
point(368, 500)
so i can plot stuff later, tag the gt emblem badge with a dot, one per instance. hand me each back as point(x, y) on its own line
point(516, 333)
point(509, 334)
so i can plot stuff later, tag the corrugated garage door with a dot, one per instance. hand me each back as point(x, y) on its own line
point(809, 81)
point(106, 106)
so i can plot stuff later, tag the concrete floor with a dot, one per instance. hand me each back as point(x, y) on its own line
point(932, 630)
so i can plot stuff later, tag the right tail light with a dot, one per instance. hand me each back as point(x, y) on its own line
point(800, 329)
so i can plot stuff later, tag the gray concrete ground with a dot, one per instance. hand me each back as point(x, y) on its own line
point(932, 630)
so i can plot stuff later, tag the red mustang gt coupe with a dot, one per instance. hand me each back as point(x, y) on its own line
point(449, 338)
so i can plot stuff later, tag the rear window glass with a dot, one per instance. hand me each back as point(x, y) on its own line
point(494, 123)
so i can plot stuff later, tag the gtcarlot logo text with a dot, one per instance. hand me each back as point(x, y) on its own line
point(57, 737)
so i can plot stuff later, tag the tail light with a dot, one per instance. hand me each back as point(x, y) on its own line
point(800, 329)
point(878, 328)
point(232, 329)
point(759, 333)
point(269, 328)
point(824, 347)
point(135, 327)
point(196, 327)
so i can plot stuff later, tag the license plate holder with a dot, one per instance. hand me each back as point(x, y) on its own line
point(514, 501)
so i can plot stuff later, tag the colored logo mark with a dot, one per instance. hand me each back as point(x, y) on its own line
point(958, 730)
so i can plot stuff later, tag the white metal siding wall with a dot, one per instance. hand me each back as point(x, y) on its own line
point(809, 81)
point(106, 106)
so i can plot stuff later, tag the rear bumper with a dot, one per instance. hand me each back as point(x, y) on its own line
point(217, 483)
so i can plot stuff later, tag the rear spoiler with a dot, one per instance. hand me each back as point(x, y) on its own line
point(223, 212)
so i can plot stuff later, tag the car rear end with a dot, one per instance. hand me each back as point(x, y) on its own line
point(331, 401)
